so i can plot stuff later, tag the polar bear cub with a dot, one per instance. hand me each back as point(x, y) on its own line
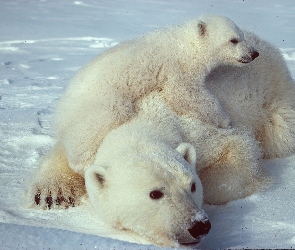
point(175, 61)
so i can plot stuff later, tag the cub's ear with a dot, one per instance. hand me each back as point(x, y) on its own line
point(95, 175)
point(202, 28)
point(188, 152)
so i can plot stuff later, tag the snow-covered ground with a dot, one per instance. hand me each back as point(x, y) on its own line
point(43, 43)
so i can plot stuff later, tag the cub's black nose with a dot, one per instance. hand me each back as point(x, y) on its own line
point(254, 55)
point(200, 228)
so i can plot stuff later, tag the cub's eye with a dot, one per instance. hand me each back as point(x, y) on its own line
point(234, 41)
point(193, 187)
point(156, 194)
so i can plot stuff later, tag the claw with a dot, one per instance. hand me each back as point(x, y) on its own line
point(72, 201)
point(48, 201)
point(60, 199)
point(37, 197)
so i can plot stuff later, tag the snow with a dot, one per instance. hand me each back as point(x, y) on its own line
point(43, 43)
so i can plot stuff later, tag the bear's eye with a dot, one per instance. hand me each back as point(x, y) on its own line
point(234, 41)
point(156, 194)
point(193, 187)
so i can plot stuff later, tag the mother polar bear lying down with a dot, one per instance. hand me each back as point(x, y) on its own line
point(141, 176)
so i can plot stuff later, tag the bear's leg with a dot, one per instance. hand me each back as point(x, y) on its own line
point(82, 140)
point(277, 132)
point(235, 172)
point(83, 135)
point(55, 184)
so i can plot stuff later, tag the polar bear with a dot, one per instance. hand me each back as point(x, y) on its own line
point(143, 179)
point(176, 60)
point(259, 100)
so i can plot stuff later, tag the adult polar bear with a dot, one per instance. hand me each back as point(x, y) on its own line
point(177, 60)
point(227, 159)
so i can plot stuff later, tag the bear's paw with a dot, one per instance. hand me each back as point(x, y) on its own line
point(60, 193)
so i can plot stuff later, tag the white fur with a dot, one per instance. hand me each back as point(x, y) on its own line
point(149, 152)
point(148, 143)
point(176, 61)
point(135, 159)
point(260, 96)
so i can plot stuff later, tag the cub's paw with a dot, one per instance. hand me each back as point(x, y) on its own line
point(57, 193)
point(223, 120)
point(219, 117)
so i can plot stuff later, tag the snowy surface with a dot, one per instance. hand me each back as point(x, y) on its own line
point(43, 43)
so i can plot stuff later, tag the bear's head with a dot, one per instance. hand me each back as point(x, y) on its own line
point(154, 193)
point(223, 42)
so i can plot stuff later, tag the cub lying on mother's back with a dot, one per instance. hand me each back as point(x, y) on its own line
point(175, 61)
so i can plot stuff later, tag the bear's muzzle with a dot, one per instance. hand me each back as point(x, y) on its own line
point(200, 227)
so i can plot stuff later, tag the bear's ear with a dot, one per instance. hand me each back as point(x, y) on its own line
point(202, 28)
point(188, 152)
point(96, 174)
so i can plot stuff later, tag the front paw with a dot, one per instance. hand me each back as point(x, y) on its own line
point(56, 194)
point(55, 198)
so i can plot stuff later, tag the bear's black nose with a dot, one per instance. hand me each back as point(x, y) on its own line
point(254, 55)
point(200, 228)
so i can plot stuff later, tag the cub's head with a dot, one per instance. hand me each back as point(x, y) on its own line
point(223, 42)
point(156, 195)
